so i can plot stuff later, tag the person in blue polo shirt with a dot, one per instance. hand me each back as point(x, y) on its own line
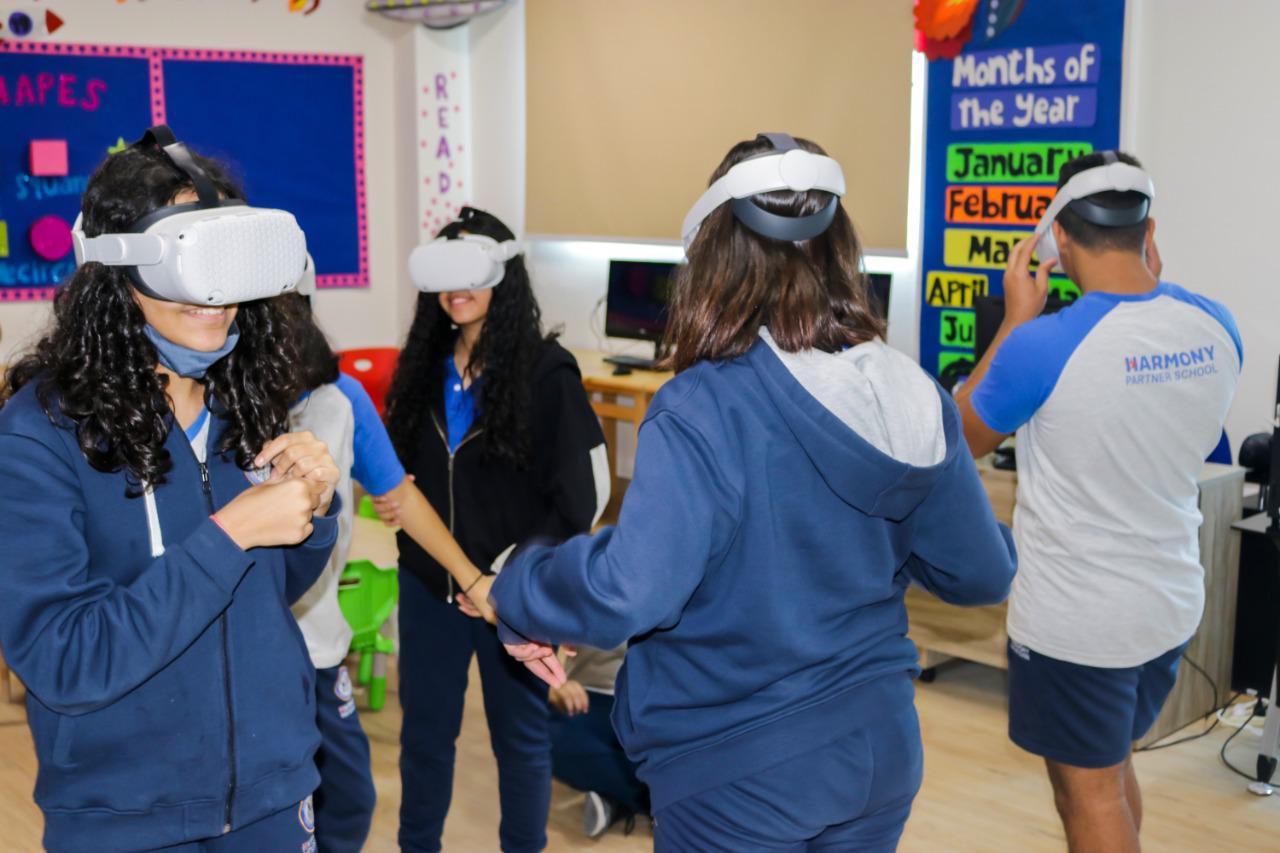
point(1116, 402)
point(337, 408)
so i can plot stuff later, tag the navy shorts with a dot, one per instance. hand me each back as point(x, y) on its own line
point(1085, 716)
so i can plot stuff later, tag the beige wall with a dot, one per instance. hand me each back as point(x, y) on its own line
point(632, 105)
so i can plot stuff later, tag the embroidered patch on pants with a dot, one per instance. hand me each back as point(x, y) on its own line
point(342, 685)
point(307, 814)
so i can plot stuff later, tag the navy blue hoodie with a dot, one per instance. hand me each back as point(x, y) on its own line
point(169, 698)
point(760, 561)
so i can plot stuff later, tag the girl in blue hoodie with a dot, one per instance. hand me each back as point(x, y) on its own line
point(145, 582)
point(791, 481)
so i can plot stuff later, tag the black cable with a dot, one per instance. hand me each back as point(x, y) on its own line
point(1213, 685)
point(1222, 753)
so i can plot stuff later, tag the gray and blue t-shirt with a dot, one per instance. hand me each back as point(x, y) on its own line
point(1116, 402)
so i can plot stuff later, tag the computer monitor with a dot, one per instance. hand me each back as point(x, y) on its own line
point(988, 314)
point(879, 284)
point(636, 304)
point(637, 300)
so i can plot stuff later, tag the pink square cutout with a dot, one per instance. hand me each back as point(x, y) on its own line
point(49, 158)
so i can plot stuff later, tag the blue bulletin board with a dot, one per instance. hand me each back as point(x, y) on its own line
point(290, 126)
point(1001, 119)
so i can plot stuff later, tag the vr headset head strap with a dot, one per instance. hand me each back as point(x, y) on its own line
point(162, 137)
point(1111, 176)
point(788, 167)
point(1110, 217)
point(777, 226)
point(781, 142)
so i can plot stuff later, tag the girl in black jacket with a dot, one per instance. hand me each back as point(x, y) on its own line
point(490, 417)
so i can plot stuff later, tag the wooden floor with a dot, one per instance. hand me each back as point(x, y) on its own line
point(980, 792)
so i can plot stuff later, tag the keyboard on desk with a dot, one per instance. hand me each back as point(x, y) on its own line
point(632, 361)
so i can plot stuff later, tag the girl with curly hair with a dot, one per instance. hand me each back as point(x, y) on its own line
point(490, 416)
point(145, 587)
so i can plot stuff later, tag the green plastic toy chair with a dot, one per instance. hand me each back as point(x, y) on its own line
point(367, 595)
point(366, 510)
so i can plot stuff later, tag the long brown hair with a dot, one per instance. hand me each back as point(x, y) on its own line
point(811, 294)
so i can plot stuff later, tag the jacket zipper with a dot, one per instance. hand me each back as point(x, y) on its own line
point(207, 488)
point(226, 671)
point(452, 454)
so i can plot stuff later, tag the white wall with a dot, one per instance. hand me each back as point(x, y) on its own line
point(498, 117)
point(353, 318)
point(1202, 116)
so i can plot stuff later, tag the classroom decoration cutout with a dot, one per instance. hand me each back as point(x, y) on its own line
point(65, 107)
point(48, 158)
point(1002, 117)
point(444, 136)
point(21, 25)
point(51, 237)
point(944, 27)
point(436, 14)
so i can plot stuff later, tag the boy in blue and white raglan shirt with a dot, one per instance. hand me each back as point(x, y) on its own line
point(1116, 402)
point(343, 416)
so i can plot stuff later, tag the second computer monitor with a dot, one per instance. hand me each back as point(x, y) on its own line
point(637, 300)
point(639, 293)
point(989, 314)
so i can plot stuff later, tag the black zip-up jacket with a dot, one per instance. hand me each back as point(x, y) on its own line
point(491, 505)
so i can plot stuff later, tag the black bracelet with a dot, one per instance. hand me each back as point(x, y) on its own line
point(473, 584)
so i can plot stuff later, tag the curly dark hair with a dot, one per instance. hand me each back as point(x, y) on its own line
point(95, 369)
point(504, 355)
point(317, 362)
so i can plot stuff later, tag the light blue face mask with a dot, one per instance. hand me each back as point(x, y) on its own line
point(190, 363)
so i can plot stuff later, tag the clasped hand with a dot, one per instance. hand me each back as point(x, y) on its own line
point(279, 511)
point(540, 658)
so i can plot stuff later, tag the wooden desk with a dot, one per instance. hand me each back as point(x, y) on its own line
point(609, 396)
point(1221, 487)
point(942, 631)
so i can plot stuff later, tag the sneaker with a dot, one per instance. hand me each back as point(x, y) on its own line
point(597, 815)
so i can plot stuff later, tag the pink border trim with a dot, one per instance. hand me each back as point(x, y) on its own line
point(156, 56)
point(26, 294)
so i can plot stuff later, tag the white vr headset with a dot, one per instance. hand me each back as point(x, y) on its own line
point(1111, 176)
point(214, 251)
point(307, 284)
point(788, 167)
point(470, 262)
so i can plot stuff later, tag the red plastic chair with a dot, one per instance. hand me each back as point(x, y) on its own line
point(373, 368)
